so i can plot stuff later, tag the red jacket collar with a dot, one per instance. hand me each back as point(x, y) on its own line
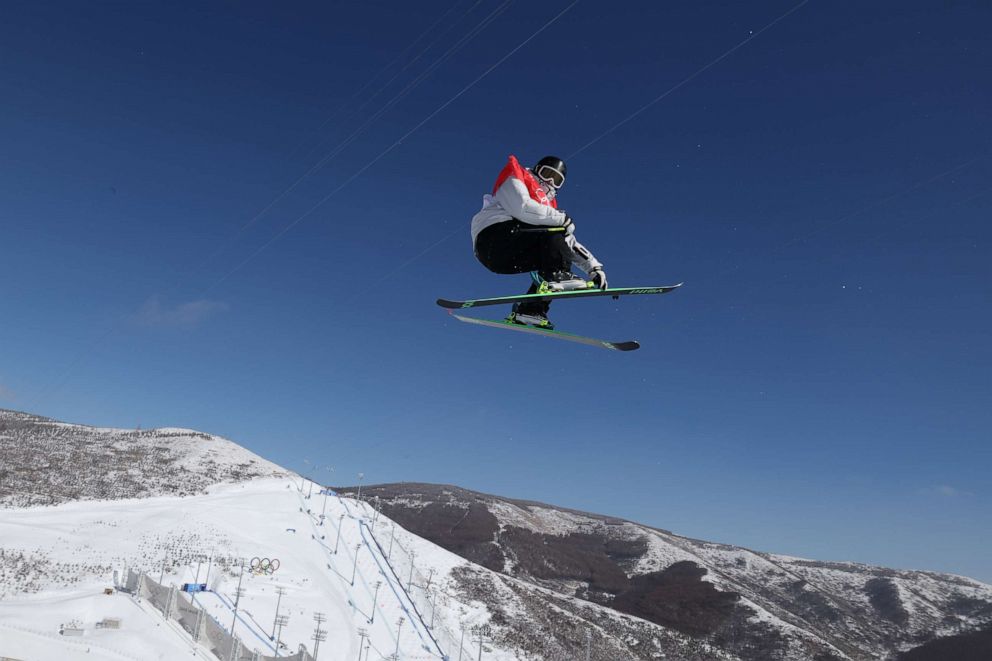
point(514, 169)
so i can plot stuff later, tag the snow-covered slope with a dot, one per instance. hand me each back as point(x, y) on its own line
point(56, 561)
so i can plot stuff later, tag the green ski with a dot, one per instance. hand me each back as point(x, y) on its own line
point(629, 345)
point(553, 295)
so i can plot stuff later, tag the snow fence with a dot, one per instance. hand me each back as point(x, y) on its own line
point(198, 623)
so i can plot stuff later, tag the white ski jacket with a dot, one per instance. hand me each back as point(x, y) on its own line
point(518, 195)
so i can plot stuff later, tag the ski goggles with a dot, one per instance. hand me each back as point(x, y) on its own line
point(550, 175)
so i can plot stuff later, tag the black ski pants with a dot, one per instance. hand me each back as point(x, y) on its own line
point(502, 248)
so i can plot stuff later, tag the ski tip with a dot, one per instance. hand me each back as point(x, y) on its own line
point(450, 305)
point(630, 345)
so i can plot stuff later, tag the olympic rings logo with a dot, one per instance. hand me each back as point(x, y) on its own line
point(264, 566)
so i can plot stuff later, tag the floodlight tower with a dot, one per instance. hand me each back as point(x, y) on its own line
point(326, 489)
point(354, 568)
point(375, 600)
point(237, 596)
point(279, 591)
point(362, 634)
point(281, 621)
point(483, 632)
point(375, 512)
point(399, 626)
point(318, 633)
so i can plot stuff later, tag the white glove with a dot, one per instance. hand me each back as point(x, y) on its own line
point(599, 278)
point(569, 226)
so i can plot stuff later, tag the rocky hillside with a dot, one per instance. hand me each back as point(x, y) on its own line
point(704, 600)
point(44, 462)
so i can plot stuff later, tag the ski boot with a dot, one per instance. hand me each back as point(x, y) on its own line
point(561, 281)
point(530, 316)
point(535, 313)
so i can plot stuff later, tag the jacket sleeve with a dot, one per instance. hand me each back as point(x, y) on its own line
point(512, 195)
point(581, 257)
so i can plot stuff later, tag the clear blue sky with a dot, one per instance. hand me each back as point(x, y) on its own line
point(819, 387)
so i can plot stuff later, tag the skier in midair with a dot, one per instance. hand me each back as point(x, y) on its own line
point(521, 229)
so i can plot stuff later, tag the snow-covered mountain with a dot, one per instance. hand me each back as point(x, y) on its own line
point(44, 462)
point(729, 601)
point(411, 571)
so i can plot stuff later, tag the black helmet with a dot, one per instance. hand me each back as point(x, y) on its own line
point(551, 169)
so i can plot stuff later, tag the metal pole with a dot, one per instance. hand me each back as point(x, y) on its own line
point(588, 643)
point(165, 557)
point(410, 580)
point(237, 597)
point(338, 538)
point(430, 577)
point(461, 643)
point(375, 600)
point(283, 621)
point(319, 634)
point(362, 634)
point(280, 591)
point(196, 579)
point(392, 531)
point(483, 632)
point(399, 625)
point(354, 568)
point(360, 476)
point(210, 563)
point(324, 508)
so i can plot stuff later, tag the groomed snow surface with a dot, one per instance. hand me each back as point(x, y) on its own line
point(57, 562)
